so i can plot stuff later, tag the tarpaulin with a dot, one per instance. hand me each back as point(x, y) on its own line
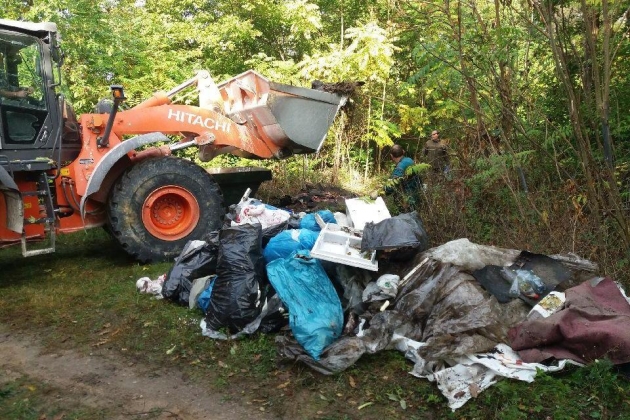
point(592, 325)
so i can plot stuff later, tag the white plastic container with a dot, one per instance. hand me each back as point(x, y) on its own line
point(344, 247)
point(359, 212)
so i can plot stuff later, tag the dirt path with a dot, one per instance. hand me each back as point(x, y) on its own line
point(103, 382)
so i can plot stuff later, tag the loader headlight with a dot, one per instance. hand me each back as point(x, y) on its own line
point(118, 92)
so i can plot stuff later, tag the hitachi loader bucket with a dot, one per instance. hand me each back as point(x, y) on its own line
point(294, 118)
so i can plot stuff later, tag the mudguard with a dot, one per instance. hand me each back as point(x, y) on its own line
point(13, 200)
point(104, 165)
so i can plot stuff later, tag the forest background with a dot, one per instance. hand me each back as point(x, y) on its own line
point(532, 96)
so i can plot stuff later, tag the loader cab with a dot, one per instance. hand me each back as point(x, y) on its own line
point(23, 107)
point(30, 113)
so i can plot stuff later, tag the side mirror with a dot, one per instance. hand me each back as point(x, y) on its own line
point(58, 55)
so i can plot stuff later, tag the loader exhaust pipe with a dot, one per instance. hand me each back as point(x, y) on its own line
point(119, 96)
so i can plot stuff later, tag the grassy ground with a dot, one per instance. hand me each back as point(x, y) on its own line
point(83, 297)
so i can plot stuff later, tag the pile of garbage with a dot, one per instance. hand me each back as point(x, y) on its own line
point(464, 314)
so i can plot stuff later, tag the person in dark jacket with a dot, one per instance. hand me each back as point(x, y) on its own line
point(436, 152)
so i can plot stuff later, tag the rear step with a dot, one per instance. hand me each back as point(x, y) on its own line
point(43, 191)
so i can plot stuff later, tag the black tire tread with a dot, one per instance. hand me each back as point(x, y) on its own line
point(126, 199)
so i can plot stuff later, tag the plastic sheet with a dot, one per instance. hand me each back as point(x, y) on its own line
point(352, 282)
point(198, 286)
point(452, 314)
point(289, 241)
point(469, 256)
point(386, 287)
point(197, 259)
point(337, 357)
point(405, 230)
point(273, 316)
point(315, 314)
point(152, 287)
point(472, 374)
point(236, 295)
point(254, 211)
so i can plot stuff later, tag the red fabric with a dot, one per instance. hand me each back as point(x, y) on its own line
point(594, 324)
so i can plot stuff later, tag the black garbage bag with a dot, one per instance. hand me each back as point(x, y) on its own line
point(272, 231)
point(275, 314)
point(236, 294)
point(402, 231)
point(197, 259)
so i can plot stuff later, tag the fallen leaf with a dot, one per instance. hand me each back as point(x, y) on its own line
point(100, 343)
point(353, 384)
point(321, 397)
point(31, 388)
point(171, 350)
point(284, 385)
point(362, 406)
point(403, 404)
point(474, 390)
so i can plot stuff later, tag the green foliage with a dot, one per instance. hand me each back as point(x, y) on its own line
point(382, 132)
point(368, 57)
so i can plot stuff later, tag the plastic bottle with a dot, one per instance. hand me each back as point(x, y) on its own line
point(535, 281)
point(522, 283)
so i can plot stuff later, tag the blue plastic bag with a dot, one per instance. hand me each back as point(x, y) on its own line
point(203, 300)
point(287, 242)
point(315, 314)
point(309, 222)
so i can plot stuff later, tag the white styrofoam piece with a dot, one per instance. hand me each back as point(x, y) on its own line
point(336, 245)
point(360, 212)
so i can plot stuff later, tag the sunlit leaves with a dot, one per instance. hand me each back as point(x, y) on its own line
point(368, 57)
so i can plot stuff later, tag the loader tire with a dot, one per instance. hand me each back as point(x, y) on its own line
point(160, 204)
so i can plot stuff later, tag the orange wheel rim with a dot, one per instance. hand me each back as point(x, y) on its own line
point(170, 213)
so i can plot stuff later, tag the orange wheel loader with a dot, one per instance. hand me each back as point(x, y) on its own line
point(114, 168)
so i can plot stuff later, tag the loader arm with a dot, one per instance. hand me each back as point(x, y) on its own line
point(247, 116)
point(207, 127)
